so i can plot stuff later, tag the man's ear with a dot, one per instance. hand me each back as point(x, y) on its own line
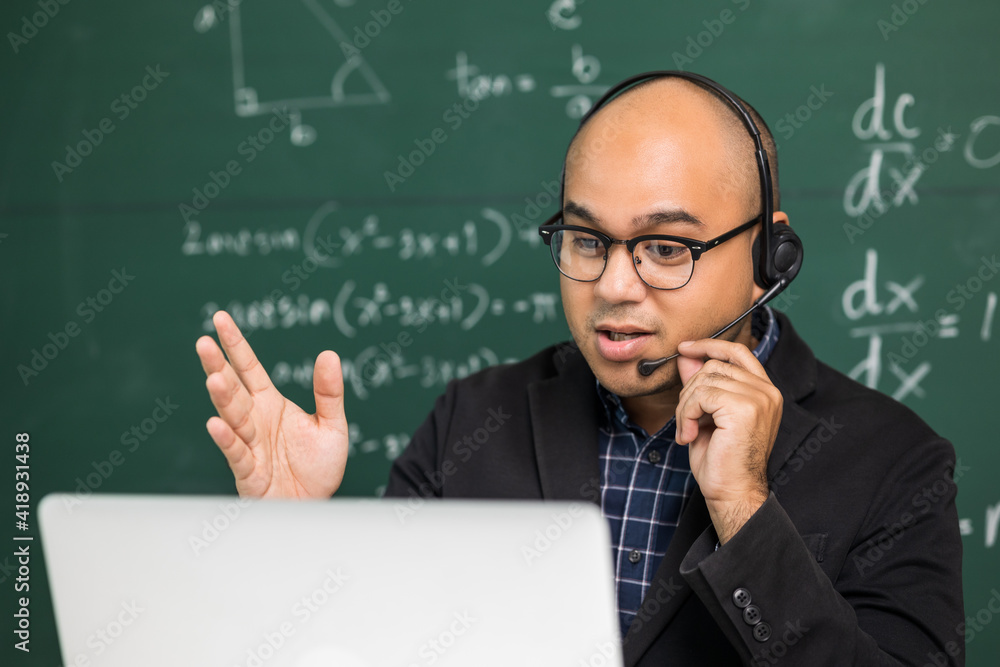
point(778, 218)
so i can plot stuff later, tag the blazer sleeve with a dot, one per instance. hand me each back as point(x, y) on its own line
point(897, 599)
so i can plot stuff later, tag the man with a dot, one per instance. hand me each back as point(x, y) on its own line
point(763, 507)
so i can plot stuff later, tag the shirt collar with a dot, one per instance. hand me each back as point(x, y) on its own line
point(763, 326)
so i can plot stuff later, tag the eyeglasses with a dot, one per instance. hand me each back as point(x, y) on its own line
point(663, 262)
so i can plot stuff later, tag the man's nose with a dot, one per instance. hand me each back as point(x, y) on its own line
point(620, 281)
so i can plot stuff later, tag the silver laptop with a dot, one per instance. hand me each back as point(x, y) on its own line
point(214, 580)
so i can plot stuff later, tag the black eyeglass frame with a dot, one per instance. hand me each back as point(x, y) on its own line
point(697, 248)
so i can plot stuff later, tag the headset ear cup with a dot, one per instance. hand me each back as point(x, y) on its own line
point(786, 254)
point(785, 260)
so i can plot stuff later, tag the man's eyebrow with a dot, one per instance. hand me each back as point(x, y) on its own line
point(580, 211)
point(665, 217)
point(672, 216)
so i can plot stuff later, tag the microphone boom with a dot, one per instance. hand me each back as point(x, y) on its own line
point(646, 367)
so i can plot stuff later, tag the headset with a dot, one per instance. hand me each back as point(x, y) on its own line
point(777, 250)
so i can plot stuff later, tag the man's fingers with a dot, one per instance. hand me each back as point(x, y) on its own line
point(726, 376)
point(723, 350)
point(212, 359)
point(241, 356)
point(687, 367)
point(230, 397)
point(237, 453)
point(328, 387)
point(233, 403)
point(693, 407)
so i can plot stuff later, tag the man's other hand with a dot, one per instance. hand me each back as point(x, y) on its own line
point(273, 447)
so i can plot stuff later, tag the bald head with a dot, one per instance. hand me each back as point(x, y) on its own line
point(676, 104)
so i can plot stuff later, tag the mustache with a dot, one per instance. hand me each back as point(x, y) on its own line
point(623, 313)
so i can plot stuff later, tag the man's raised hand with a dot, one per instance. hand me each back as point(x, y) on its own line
point(273, 447)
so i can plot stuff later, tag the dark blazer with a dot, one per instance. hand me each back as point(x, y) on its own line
point(854, 559)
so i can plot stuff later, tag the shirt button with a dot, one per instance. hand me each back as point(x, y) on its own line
point(654, 456)
point(751, 615)
point(741, 597)
point(762, 632)
point(634, 556)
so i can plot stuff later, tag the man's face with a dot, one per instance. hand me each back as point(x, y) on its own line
point(656, 162)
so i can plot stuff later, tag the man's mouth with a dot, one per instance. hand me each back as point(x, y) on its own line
point(619, 336)
point(621, 342)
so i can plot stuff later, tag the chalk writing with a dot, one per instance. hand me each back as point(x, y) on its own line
point(580, 95)
point(488, 238)
point(245, 97)
point(459, 304)
point(243, 242)
point(352, 310)
point(862, 299)
point(371, 369)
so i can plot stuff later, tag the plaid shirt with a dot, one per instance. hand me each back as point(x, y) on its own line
point(645, 482)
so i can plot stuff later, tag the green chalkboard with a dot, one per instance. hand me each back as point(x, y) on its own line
point(333, 172)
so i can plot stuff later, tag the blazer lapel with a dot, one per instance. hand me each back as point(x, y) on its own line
point(564, 426)
point(792, 369)
point(796, 424)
